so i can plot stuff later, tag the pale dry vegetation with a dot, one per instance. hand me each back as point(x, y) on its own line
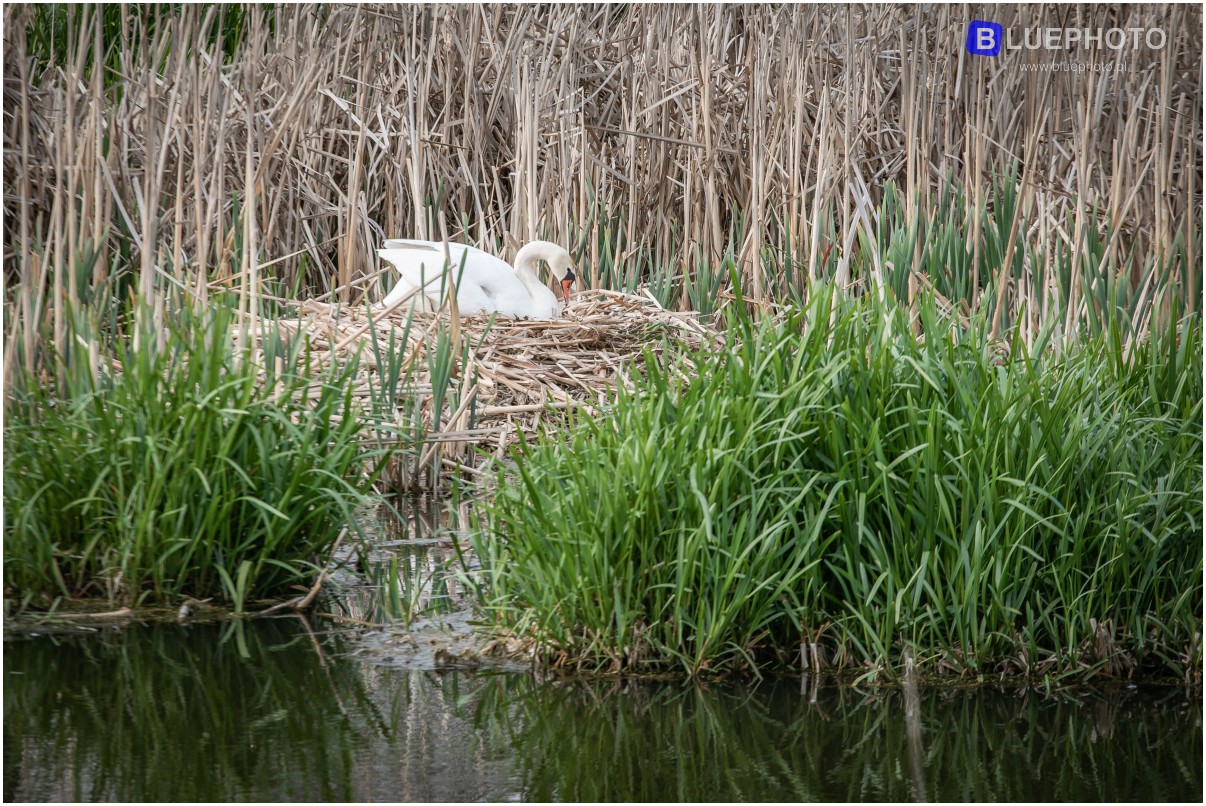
point(653, 140)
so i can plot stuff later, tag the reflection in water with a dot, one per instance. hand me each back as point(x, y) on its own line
point(912, 698)
point(270, 711)
point(666, 743)
point(411, 570)
point(241, 711)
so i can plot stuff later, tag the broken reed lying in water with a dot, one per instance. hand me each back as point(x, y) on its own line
point(170, 464)
point(833, 491)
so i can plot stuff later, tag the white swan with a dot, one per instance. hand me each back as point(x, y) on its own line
point(484, 283)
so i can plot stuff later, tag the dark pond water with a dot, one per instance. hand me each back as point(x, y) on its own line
point(275, 711)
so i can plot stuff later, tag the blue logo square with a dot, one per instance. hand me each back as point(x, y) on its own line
point(984, 38)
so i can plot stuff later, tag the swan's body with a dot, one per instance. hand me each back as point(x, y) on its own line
point(484, 283)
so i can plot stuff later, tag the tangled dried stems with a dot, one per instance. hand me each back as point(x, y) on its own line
point(501, 377)
point(275, 156)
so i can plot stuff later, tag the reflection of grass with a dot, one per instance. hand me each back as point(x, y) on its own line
point(413, 583)
point(253, 711)
point(413, 573)
point(835, 478)
point(182, 714)
point(645, 743)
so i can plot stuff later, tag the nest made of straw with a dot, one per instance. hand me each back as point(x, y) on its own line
point(517, 371)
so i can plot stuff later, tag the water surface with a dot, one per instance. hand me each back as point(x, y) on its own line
point(284, 710)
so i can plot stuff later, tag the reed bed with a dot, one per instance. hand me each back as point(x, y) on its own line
point(688, 156)
point(271, 149)
point(446, 396)
point(179, 468)
point(831, 491)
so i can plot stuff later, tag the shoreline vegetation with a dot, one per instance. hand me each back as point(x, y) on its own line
point(176, 468)
point(954, 423)
point(833, 491)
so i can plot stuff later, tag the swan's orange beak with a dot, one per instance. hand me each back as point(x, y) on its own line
point(566, 282)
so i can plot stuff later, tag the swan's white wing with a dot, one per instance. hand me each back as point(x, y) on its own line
point(475, 259)
point(408, 243)
point(402, 288)
point(415, 267)
point(517, 300)
point(421, 263)
point(485, 283)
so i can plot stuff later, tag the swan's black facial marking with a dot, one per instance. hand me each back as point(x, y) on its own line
point(566, 282)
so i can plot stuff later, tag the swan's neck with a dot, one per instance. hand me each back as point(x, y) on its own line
point(526, 264)
point(528, 260)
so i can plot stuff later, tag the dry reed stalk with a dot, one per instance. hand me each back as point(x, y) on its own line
point(516, 372)
point(601, 127)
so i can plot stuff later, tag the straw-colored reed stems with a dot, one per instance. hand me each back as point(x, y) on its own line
point(505, 376)
point(272, 148)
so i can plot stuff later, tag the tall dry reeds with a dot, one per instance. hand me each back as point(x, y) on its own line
point(272, 152)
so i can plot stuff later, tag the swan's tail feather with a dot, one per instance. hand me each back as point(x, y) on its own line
point(402, 243)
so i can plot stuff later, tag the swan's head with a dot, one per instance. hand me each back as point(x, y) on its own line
point(559, 260)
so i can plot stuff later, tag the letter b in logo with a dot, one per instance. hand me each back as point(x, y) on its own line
point(984, 38)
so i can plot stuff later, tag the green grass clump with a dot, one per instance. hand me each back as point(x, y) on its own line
point(833, 479)
point(179, 468)
point(53, 30)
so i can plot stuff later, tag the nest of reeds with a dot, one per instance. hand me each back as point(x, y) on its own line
point(506, 377)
